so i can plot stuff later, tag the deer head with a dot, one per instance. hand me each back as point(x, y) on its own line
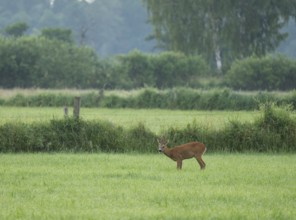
point(162, 144)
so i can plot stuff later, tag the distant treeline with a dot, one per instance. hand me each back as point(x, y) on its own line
point(27, 62)
point(38, 61)
point(274, 131)
point(176, 98)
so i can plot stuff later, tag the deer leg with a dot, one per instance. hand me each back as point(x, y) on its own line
point(204, 164)
point(201, 162)
point(179, 164)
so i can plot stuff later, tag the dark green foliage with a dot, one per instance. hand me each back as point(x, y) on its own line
point(64, 35)
point(110, 27)
point(52, 61)
point(274, 131)
point(140, 139)
point(192, 132)
point(17, 29)
point(21, 137)
point(40, 100)
point(267, 73)
point(164, 70)
point(39, 62)
point(226, 30)
point(73, 134)
point(66, 135)
point(138, 68)
point(175, 69)
point(28, 62)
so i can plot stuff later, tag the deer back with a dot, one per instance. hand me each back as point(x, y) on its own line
point(188, 150)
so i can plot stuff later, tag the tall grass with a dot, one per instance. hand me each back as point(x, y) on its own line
point(120, 186)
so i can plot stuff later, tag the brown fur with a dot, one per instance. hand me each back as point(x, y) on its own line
point(184, 151)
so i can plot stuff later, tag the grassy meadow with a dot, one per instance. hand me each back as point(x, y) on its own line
point(148, 186)
point(154, 119)
point(133, 186)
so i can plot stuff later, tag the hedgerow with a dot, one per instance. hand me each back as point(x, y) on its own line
point(262, 73)
point(274, 131)
point(177, 98)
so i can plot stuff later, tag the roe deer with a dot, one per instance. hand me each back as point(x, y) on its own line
point(184, 151)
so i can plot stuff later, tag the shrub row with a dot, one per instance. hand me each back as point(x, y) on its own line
point(39, 61)
point(265, 73)
point(274, 131)
point(166, 70)
point(177, 98)
point(74, 135)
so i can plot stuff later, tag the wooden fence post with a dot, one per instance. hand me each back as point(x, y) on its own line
point(65, 111)
point(76, 109)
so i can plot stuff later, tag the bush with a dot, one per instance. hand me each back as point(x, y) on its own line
point(74, 135)
point(266, 73)
point(175, 69)
point(55, 62)
point(137, 67)
point(274, 131)
point(164, 70)
point(140, 139)
point(27, 62)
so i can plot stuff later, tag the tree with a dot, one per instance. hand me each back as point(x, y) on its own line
point(32, 61)
point(220, 30)
point(16, 30)
point(58, 34)
point(288, 46)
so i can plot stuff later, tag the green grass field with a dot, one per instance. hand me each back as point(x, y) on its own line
point(133, 186)
point(120, 186)
point(154, 119)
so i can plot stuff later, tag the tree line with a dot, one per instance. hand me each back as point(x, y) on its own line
point(233, 38)
point(220, 31)
point(52, 60)
point(98, 24)
point(118, 26)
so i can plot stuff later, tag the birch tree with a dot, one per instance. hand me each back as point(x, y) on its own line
point(220, 31)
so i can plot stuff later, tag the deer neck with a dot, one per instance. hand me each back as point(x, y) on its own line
point(167, 151)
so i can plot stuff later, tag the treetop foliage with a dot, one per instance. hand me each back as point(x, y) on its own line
point(197, 34)
point(109, 26)
point(222, 29)
point(17, 29)
point(52, 61)
point(58, 34)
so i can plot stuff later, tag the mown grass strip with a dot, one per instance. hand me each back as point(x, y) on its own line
point(154, 119)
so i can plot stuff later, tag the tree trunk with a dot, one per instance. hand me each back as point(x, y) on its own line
point(218, 60)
